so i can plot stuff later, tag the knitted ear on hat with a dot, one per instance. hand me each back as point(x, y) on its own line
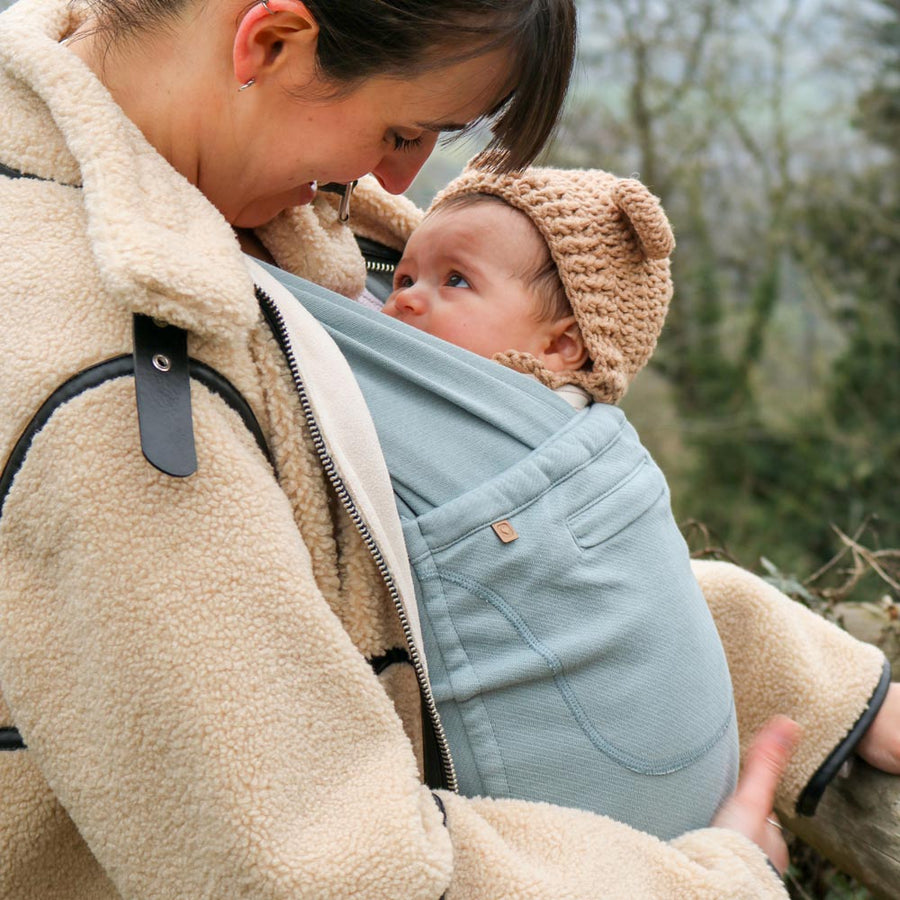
point(648, 221)
point(619, 285)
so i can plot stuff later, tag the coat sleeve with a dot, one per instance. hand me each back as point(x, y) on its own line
point(507, 848)
point(786, 659)
point(198, 711)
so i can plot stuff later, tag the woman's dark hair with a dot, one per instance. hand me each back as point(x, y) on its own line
point(403, 38)
point(358, 38)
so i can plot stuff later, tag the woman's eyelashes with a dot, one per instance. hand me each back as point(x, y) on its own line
point(405, 144)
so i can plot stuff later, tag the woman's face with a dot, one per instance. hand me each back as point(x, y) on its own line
point(386, 126)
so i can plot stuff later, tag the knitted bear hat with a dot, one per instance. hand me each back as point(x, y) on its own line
point(611, 242)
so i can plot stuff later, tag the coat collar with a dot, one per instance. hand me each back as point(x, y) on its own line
point(161, 248)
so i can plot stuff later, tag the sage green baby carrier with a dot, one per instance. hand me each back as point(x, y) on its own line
point(571, 652)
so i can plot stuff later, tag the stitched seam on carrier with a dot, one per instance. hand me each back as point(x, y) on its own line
point(435, 576)
point(580, 542)
point(555, 665)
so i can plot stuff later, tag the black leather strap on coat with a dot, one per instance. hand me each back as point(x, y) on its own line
point(163, 389)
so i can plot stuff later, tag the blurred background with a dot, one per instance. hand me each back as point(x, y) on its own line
point(771, 131)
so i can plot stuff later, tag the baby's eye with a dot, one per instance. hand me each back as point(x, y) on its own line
point(454, 279)
point(402, 281)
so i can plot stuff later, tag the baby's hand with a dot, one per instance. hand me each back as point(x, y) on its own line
point(749, 809)
point(880, 745)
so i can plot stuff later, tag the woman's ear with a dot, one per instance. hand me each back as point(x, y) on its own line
point(273, 34)
point(564, 350)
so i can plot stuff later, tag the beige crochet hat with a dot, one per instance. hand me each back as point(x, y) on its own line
point(611, 242)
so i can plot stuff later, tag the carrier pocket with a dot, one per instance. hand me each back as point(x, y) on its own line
point(616, 509)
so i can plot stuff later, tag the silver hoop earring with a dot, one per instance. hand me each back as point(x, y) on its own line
point(265, 3)
point(247, 84)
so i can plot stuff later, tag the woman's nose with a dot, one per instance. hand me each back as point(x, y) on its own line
point(398, 168)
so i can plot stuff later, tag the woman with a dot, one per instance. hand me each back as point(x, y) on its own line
point(208, 671)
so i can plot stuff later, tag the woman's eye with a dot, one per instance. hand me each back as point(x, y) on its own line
point(457, 280)
point(406, 144)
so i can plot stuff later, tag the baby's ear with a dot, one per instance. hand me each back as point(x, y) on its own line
point(646, 217)
point(564, 350)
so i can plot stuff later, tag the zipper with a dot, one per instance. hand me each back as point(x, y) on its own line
point(276, 323)
point(376, 265)
point(378, 258)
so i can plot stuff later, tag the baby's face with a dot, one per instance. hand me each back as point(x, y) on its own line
point(465, 277)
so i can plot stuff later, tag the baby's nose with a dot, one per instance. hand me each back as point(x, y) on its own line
point(412, 300)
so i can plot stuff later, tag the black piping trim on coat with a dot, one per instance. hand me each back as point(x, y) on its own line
point(443, 810)
point(10, 172)
point(811, 795)
point(10, 739)
point(94, 376)
point(119, 367)
point(434, 770)
point(440, 806)
point(386, 660)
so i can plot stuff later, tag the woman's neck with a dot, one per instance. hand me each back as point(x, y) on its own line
point(164, 82)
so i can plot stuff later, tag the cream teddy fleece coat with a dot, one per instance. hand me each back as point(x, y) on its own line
point(189, 660)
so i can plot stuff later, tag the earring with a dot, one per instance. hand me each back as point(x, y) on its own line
point(251, 81)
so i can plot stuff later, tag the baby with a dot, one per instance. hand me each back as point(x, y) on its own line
point(560, 274)
point(570, 652)
point(570, 649)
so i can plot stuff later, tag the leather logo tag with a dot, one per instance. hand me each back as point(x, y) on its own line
point(505, 531)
